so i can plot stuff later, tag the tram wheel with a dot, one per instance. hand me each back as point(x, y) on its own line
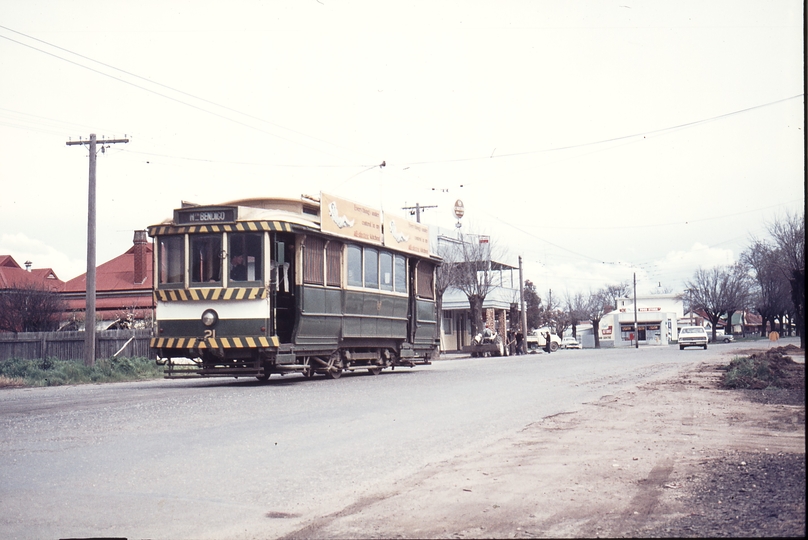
point(374, 370)
point(308, 371)
point(334, 370)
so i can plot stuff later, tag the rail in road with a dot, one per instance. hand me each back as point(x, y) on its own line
point(228, 458)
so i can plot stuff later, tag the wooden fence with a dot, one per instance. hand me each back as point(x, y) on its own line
point(70, 345)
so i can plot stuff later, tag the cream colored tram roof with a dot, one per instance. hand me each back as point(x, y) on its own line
point(268, 209)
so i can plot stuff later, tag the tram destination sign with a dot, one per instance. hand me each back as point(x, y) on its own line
point(206, 215)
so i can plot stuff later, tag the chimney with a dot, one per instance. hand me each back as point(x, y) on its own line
point(140, 256)
point(28, 265)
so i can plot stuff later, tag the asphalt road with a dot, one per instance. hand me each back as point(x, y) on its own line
point(226, 458)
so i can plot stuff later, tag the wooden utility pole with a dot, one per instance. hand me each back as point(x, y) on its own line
point(523, 308)
point(417, 208)
point(89, 312)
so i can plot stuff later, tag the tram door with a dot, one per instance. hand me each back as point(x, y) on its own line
point(282, 286)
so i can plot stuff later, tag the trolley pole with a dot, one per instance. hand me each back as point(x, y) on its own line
point(89, 312)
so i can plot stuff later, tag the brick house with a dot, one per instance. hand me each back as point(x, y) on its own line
point(123, 290)
point(12, 275)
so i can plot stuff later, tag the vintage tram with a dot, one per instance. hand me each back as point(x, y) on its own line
point(311, 285)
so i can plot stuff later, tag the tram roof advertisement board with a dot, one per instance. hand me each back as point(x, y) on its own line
point(404, 235)
point(349, 219)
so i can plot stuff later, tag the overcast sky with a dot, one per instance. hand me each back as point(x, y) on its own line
point(595, 139)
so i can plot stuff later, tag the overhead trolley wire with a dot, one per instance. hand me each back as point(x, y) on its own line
point(177, 100)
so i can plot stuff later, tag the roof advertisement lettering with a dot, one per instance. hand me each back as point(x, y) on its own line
point(351, 220)
point(404, 235)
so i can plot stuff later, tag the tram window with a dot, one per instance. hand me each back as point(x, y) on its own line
point(313, 261)
point(425, 280)
point(400, 274)
point(171, 260)
point(333, 266)
point(355, 266)
point(206, 261)
point(244, 254)
point(371, 268)
point(386, 270)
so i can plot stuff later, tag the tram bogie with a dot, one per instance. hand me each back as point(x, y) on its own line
point(278, 286)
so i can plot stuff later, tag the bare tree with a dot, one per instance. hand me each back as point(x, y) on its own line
point(719, 291)
point(611, 293)
point(446, 275)
point(30, 307)
point(789, 236)
point(575, 307)
point(771, 292)
point(594, 308)
point(475, 273)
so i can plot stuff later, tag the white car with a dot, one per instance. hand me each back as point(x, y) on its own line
point(570, 342)
point(536, 340)
point(693, 336)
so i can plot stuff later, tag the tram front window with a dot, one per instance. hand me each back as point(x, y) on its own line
point(171, 259)
point(206, 259)
point(244, 253)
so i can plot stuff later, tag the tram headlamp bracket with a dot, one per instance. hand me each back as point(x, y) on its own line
point(210, 317)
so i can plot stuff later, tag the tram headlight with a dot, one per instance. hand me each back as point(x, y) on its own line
point(210, 317)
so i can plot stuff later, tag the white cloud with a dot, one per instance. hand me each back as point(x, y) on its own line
point(42, 255)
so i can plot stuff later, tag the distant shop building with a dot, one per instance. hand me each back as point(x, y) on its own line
point(500, 303)
point(657, 317)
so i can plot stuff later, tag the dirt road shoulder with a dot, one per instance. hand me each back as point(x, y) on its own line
point(677, 457)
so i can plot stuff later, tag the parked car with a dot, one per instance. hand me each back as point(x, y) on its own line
point(693, 336)
point(536, 341)
point(570, 342)
point(721, 338)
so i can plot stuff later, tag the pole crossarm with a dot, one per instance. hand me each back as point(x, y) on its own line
point(89, 311)
point(98, 141)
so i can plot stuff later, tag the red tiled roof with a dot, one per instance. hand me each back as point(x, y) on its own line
point(12, 275)
point(117, 274)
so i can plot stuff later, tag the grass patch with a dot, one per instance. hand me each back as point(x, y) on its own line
point(16, 372)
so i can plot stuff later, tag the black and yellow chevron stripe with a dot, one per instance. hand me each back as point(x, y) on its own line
point(247, 342)
point(241, 226)
point(230, 293)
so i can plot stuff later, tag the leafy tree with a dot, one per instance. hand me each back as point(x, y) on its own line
point(30, 307)
point(532, 305)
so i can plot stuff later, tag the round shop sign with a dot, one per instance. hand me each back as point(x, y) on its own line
point(459, 210)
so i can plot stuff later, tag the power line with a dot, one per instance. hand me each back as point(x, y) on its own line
point(224, 117)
